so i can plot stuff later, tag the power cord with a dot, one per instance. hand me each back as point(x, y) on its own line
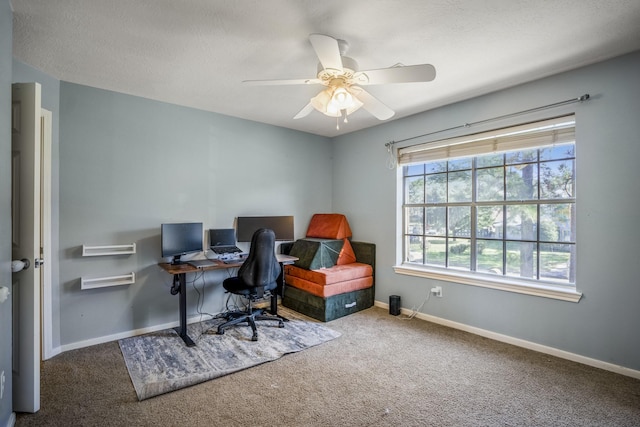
point(414, 310)
point(200, 276)
point(200, 304)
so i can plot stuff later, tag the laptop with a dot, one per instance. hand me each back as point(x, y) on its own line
point(223, 241)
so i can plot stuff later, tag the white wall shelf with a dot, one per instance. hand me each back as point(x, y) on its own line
point(103, 282)
point(108, 250)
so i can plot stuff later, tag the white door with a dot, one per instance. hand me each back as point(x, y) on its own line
point(25, 201)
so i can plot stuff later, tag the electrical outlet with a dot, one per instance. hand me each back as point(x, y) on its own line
point(437, 291)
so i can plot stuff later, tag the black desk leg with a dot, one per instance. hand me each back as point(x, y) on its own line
point(274, 296)
point(182, 329)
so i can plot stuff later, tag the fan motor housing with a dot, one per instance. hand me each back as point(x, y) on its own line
point(349, 68)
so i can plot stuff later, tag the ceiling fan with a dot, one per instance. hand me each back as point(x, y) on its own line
point(343, 93)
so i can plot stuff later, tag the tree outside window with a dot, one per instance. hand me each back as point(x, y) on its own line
point(508, 213)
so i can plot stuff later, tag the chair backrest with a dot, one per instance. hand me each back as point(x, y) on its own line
point(261, 268)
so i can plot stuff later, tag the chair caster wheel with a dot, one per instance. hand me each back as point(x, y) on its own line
point(220, 332)
point(280, 325)
point(254, 338)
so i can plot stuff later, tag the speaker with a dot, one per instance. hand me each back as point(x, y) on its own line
point(394, 305)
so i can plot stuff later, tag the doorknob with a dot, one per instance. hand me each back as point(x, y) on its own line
point(19, 265)
point(4, 293)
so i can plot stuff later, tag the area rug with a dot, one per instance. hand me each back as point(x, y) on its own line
point(160, 362)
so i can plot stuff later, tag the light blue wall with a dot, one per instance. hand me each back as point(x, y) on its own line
point(128, 164)
point(6, 37)
point(604, 324)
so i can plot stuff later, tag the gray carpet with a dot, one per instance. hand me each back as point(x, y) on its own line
point(159, 362)
point(383, 371)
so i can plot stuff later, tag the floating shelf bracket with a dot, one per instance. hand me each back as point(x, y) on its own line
point(103, 282)
point(108, 250)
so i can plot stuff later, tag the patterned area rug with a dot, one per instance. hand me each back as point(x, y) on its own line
point(160, 362)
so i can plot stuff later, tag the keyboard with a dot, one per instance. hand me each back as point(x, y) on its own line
point(226, 249)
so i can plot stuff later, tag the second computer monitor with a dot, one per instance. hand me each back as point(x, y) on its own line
point(282, 226)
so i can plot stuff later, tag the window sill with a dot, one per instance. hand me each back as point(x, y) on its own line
point(502, 284)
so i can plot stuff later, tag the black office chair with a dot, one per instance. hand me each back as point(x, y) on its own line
point(257, 276)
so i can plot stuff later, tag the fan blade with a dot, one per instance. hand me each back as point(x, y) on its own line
point(304, 112)
point(372, 104)
point(282, 82)
point(327, 50)
point(399, 74)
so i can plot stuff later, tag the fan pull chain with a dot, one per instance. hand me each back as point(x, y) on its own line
point(343, 114)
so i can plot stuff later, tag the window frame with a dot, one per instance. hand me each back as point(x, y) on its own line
point(534, 135)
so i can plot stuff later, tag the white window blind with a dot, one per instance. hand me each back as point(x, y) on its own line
point(557, 131)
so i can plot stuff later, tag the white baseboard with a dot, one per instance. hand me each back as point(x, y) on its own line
point(11, 422)
point(429, 318)
point(128, 334)
point(51, 352)
point(521, 343)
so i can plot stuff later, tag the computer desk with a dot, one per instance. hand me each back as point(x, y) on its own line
point(179, 273)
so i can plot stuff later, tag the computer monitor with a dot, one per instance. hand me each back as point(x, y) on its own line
point(180, 239)
point(282, 226)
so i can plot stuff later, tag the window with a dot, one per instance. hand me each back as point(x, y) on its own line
point(497, 206)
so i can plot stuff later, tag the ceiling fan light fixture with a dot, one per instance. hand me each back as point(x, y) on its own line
point(335, 109)
point(321, 100)
point(341, 99)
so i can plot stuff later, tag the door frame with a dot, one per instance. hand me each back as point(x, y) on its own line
point(46, 296)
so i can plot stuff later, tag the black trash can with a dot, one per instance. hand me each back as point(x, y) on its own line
point(394, 305)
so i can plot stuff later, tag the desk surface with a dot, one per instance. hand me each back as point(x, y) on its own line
point(179, 273)
point(217, 265)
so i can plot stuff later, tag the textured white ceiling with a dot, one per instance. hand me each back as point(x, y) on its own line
point(197, 52)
